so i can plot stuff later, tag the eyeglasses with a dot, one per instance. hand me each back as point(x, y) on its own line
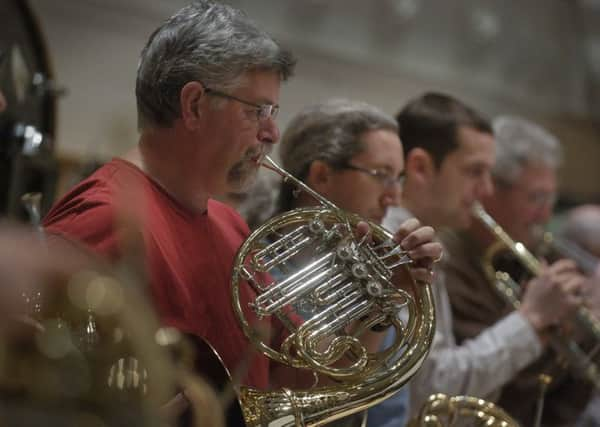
point(385, 178)
point(263, 111)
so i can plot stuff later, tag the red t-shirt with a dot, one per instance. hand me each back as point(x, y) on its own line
point(189, 257)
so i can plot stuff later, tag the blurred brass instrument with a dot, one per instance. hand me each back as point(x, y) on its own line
point(310, 261)
point(80, 344)
point(583, 364)
point(555, 245)
point(82, 351)
point(441, 410)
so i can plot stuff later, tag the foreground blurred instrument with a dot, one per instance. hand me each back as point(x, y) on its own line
point(441, 410)
point(582, 363)
point(310, 262)
point(87, 350)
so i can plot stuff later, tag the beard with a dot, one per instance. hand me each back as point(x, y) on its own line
point(242, 174)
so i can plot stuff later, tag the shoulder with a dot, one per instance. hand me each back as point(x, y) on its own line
point(456, 245)
point(87, 212)
point(97, 192)
point(450, 239)
point(89, 194)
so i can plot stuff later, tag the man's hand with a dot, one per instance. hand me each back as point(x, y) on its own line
point(418, 241)
point(553, 297)
point(592, 293)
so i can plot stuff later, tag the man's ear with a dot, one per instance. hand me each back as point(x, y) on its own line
point(419, 166)
point(190, 97)
point(319, 175)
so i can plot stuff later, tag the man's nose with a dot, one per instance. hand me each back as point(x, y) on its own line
point(391, 196)
point(485, 187)
point(269, 131)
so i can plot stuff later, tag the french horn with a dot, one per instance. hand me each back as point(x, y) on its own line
point(442, 410)
point(328, 285)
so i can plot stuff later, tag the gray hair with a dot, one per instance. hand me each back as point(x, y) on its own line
point(520, 143)
point(208, 42)
point(329, 132)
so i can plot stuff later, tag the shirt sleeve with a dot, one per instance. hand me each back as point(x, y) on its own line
point(479, 366)
point(92, 226)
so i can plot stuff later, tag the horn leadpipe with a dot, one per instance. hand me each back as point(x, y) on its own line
point(270, 164)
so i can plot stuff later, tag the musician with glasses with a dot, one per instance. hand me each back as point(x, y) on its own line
point(207, 91)
point(349, 152)
point(346, 150)
point(449, 153)
point(525, 187)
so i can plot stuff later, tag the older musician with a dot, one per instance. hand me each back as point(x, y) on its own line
point(350, 153)
point(449, 152)
point(207, 92)
point(524, 177)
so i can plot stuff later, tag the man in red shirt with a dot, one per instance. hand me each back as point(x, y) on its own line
point(207, 94)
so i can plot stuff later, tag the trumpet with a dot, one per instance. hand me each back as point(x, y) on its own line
point(508, 288)
point(586, 262)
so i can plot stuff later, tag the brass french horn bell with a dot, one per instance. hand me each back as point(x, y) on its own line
point(442, 410)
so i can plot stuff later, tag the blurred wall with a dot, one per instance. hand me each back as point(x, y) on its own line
point(527, 62)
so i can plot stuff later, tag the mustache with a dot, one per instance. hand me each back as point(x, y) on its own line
point(257, 153)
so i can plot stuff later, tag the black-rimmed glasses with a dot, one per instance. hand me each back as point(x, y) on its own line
point(387, 179)
point(263, 111)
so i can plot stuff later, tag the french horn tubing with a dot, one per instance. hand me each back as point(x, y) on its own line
point(310, 264)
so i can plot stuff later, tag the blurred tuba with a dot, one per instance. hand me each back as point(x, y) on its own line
point(441, 410)
point(328, 286)
point(581, 362)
